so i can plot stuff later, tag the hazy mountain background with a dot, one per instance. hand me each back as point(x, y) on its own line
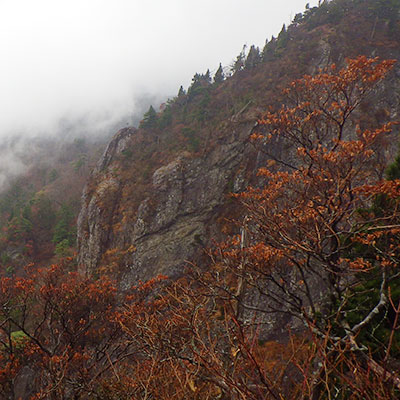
point(97, 61)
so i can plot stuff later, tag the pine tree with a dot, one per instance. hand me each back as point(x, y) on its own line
point(199, 83)
point(196, 85)
point(149, 119)
point(268, 53)
point(253, 58)
point(207, 77)
point(181, 91)
point(219, 75)
point(239, 62)
point(297, 18)
point(282, 38)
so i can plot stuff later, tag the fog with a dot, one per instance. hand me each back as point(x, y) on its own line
point(102, 61)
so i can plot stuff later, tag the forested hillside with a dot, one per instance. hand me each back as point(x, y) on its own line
point(241, 243)
point(161, 192)
point(39, 205)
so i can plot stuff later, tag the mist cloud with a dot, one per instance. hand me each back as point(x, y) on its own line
point(95, 59)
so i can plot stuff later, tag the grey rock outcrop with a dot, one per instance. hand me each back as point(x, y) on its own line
point(174, 222)
point(94, 221)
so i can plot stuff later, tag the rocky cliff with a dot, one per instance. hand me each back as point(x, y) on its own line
point(174, 221)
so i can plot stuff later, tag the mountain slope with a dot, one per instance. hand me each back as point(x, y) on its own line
point(160, 193)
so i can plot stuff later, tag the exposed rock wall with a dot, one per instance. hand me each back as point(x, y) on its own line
point(95, 218)
point(171, 225)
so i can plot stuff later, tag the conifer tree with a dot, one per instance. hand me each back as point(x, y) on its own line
point(195, 86)
point(239, 62)
point(297, 18)
point(181, 91)
point(253, 58)
point(199, 82)
point(282, 37)
point(149, 118)
point(207, 77)
point(219, 75)
point(268, 53)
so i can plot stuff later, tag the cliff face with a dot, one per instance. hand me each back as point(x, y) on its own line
point(174, 222)
point(94, 221)
point(146, 213)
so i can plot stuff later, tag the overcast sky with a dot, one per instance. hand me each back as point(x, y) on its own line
point(69, 58)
